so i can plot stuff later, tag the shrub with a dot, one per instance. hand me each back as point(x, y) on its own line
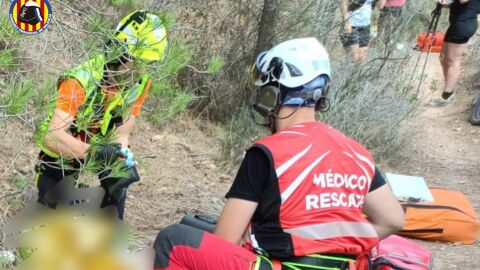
point(242, 131)
point(370, 107)
point(128, 5)
point(9, 59)
point(369, 100)
point(17, 97)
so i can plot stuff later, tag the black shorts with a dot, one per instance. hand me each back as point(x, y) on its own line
point(461, 31)
point(359, 35)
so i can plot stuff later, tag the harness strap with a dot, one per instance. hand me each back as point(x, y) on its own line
point(315, 261)
point(319, 262)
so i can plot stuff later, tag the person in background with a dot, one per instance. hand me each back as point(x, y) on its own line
point(390, 16)
point(463, 25)
point(305, 197)
point(357, 18)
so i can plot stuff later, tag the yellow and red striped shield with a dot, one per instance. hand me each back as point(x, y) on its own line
point(42, 11)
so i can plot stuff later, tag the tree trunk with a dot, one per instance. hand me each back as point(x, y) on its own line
point(267, 25)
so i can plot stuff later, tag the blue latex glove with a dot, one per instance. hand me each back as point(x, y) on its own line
point(129, 158)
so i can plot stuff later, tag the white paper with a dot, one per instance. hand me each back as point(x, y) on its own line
point(409, 188)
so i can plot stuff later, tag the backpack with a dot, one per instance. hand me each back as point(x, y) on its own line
point(450, 218)
point(433, 40)
point(398, 253)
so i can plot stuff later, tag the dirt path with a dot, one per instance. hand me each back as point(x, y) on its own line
point(179, 175)
point(445, 149)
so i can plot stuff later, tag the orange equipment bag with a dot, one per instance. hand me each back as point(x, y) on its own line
point(431, 39)
point(450, 218)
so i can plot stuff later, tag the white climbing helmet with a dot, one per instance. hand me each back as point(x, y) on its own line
point(293, 63)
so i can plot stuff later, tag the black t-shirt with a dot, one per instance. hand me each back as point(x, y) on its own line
point(464, 12)
point(256, 178)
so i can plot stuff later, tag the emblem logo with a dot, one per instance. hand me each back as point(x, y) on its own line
point(30, 16)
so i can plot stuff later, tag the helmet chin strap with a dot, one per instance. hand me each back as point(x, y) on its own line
point(272, 117)
point(272, 125)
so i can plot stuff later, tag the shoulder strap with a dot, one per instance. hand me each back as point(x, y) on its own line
point(135, 92)
point(87, 74)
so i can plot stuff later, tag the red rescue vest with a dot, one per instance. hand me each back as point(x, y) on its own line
point(324, 178)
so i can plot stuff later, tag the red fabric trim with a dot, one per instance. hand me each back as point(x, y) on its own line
point(213, 253)
point(276, 265)
point(43, 8)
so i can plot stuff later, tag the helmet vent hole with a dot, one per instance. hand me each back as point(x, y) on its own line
point(294, 71)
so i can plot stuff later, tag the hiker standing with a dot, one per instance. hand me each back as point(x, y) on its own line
point(300, 195)
point(390, 16)
point(99, 101)
point(357, 18)
point(463, 25)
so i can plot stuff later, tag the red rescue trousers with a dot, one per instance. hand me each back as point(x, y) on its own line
point(180, 247)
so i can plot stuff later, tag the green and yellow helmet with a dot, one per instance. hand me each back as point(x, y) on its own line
point(144, 35)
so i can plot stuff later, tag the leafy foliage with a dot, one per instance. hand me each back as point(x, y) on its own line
point(6, 28)
point(128, 4)
point(17, 97)
point(242, 131)
point(8, 59)
point(167, 98)
point(19, 181)
point(99, 23)
point(216, 64)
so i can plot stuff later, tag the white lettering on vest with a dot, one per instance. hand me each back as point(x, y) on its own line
point(312, 201)
point(338, 180)
point(334, 199)
point(325, 200)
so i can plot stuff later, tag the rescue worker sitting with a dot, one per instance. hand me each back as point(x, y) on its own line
point(300, 196)
point(97, 102)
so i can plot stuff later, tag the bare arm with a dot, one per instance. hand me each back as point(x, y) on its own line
point(384, 211)
point(59, 141)
point(381, 4)
point(463, 1)
point(234, 219)
point(345, 16)
point(123, 132)
point(344, 10)
point(447, 4)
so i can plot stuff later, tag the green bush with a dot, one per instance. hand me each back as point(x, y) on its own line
point(216, 64)
point(167, 101)
point(128, 4)
point(98, 23)
point(179, 54)
point(6, 28)
point(166, 96)
point(369, 100)
point(9, 59)
point(17, 97)
point(242, 131)
point(19, 181)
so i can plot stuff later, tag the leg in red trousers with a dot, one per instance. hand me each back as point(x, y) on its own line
point(181, 247)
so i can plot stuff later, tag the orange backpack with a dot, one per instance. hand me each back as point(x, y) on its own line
point(431, 39)
point(450, 218)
